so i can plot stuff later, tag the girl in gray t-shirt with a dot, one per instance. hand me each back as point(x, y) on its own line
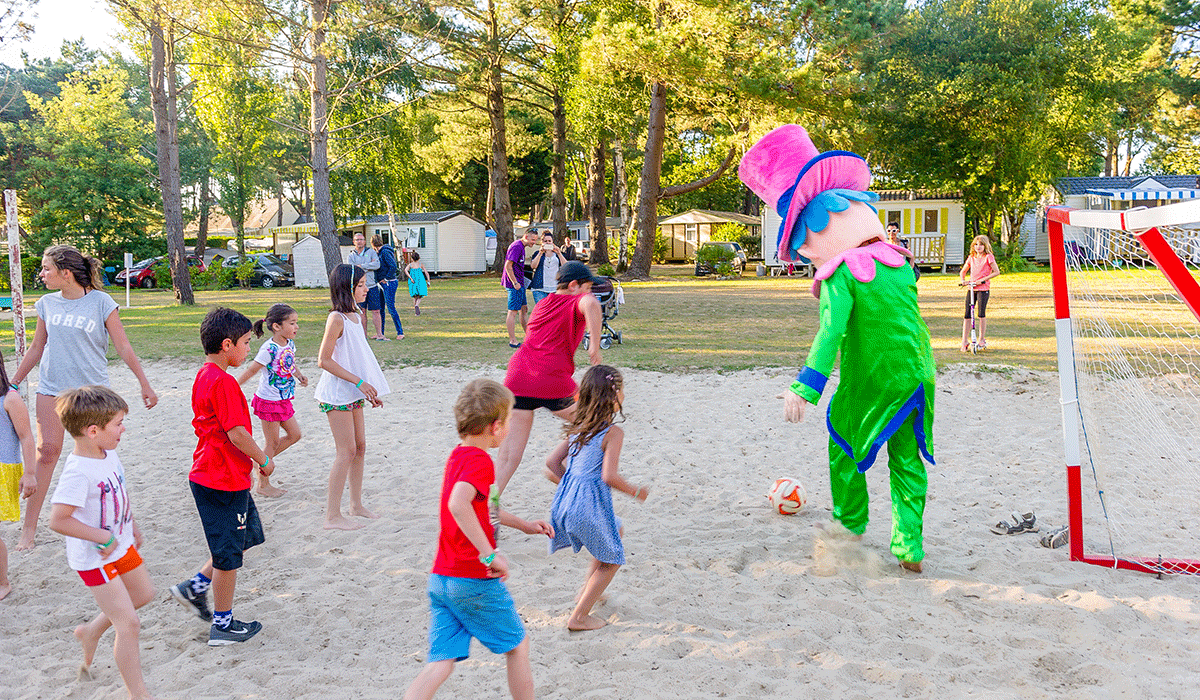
point(70, 347)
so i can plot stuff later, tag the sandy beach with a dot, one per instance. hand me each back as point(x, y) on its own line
point(721, 596)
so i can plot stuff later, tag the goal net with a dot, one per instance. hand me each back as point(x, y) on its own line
point(1126, 302)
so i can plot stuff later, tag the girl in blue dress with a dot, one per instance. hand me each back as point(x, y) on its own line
point(585, 467)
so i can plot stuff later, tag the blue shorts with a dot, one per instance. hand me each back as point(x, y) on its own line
point(374, 300)
point(538, 295)
point(231, 524)
point(516, 299)
point(461, 608)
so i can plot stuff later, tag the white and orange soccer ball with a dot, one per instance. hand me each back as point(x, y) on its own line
point(787, 496)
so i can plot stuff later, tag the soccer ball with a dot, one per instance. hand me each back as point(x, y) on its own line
point(787, 496)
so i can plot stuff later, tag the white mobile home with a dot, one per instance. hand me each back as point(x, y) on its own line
point(1112, 193)
point(934, 224)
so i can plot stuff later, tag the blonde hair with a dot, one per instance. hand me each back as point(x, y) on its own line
point(88, 405)
point(987, 244)
point(481, 403)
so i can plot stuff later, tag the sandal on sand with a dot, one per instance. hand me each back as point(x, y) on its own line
point(1058, 537)
point(1021, 522)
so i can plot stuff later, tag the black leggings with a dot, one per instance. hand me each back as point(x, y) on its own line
point(981, 298)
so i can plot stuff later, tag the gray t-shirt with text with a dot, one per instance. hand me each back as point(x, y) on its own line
point(76, 341)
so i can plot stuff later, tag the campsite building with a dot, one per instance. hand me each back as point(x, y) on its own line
point(688, 231)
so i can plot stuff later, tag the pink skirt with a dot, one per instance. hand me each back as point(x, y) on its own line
point(273, 411)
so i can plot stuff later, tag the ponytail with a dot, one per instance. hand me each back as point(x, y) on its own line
point(85, 269)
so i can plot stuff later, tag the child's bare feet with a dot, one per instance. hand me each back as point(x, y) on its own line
point(362, 512)
point(341, 523)
point(5, 589)
point(269, 491)
point(588, 622)
point(26, 542)
point(913, 566)
point(89, 644)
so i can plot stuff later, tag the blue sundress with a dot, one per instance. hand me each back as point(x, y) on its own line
point(582, 511)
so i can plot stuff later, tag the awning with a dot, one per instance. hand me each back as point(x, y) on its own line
point(1140, 195)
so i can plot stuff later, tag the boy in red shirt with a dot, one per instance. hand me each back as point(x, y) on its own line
point(220, 478)
point(466, 590)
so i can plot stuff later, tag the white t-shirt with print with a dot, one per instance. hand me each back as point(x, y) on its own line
point(96, 487)
point(277, 380)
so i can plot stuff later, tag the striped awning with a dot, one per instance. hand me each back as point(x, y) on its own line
point(1140, 195)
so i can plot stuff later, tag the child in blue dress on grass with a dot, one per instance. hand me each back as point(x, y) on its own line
point(585, 467)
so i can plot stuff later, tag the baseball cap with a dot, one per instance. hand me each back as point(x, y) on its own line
point(576, 271)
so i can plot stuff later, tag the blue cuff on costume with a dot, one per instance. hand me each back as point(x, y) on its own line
point(812, 379)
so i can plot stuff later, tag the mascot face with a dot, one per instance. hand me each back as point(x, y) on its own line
point(846, 230)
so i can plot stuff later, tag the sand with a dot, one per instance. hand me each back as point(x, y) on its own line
point(721, 597)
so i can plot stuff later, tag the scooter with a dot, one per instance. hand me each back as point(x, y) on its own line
point(974, 345)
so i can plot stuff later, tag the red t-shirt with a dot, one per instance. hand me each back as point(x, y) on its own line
point(456, 556)
point(219, 406)
point(542, 367)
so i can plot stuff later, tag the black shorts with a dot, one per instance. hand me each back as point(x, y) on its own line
point(981, 298)
point(231, 524)
point(528, 403)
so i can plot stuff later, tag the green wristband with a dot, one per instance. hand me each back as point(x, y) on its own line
point(106, 545)
point(359, 383)
point(487, 561)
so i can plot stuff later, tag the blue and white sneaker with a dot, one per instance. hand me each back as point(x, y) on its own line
point(236, 632)
point(197, 603)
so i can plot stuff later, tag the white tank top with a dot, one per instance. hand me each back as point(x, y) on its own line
point(354, 353)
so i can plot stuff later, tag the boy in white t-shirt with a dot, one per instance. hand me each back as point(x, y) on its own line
point(91, 508)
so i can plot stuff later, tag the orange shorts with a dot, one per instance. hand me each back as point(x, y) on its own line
point(106, 573)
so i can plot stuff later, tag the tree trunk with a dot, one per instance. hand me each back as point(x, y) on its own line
point(558, 170)
point(202, 225)
point(319, 140)
point(650, 188)
point(597, 208)
point(166, 137)
point(621, 206)
point(502, 211)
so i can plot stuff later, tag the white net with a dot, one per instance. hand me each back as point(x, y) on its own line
point(1137, 358)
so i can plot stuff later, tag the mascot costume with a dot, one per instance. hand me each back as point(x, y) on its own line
point(868, 311)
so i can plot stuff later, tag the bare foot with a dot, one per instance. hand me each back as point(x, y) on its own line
point(340, 523)
point(589, 622)
point(362, 512)
point(89, 645)
point(269, 491)
point(400, 337)
point(913, 566)
point(5, 589)
point(26, 542)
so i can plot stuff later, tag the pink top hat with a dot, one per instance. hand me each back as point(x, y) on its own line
point(787, 171)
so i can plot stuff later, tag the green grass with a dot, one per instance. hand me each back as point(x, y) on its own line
point(674, 322)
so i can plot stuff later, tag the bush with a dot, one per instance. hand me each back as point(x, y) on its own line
point(162, 274)
point(606, 270)
point(724, 269)
point(714, 255)
point(750, 243)
point(210, 243)
point(244, 270)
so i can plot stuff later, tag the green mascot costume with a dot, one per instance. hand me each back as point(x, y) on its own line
point(868, 312)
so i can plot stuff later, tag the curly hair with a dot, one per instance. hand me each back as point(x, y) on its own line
point(598, 402)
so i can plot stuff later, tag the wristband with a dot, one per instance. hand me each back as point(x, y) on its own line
point(359, 383)
point(264, 464)
point(102, 547)
point(487, 561)
point(637, 493)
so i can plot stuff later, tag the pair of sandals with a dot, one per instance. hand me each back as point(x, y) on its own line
point(1021, 523)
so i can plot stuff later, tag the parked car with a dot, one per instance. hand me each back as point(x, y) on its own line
point(738, 262)
point(142, 273)
point(269, 271)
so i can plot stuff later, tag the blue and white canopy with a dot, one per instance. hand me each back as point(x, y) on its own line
point(1141, 195)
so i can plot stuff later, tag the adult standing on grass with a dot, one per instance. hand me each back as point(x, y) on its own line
point(546, 263)
point(539, 372)
point(513, 279)
point(368, 260)
point(388, 279)
point(70, 346)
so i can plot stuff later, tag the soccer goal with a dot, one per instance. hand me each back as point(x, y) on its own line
point(1127, 324)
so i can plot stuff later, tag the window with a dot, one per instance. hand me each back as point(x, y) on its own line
point(931, 221)
point(421, 243)
point(416, 238)
point(893, 217)
point(385, 234)
point(689, 233)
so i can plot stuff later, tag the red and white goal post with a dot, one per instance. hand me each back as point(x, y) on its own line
point(1127, 325)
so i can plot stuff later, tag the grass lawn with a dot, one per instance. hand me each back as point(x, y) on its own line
point(675, 322)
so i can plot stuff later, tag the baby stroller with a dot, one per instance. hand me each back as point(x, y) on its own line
point(608, 292)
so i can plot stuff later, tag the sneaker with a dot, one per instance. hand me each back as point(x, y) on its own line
point(237, 631)
point(190, 600)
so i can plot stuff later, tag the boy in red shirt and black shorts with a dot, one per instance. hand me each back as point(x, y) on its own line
point(220, 478)
point(466, 590)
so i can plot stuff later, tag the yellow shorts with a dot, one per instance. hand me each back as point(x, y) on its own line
point(10, 494)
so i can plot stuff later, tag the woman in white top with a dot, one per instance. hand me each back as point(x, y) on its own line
point(350, 376)
point(70, 346)
point(546, 263)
